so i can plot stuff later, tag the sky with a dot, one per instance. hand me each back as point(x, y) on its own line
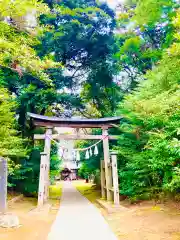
point(112, 3)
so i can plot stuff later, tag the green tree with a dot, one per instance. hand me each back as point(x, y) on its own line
point(12, 147)
point(149, 147)
point(82, 39)
point(24, 74)
point(11, 144)
point(144, 30)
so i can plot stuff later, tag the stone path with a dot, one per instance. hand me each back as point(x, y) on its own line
point(78, 219)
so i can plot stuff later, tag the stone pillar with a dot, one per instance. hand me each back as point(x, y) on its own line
point(3, 185)
point(115, 177)
point(47, 150)
point(42, 179)
point(103, 183)
point(107, 162)
point(110, 179)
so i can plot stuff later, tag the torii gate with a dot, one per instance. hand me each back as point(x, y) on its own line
point(109, 175)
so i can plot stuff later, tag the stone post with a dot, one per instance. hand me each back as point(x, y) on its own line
point(3, 185)
point(103, 183)
point(115, 177)
point(42, 179)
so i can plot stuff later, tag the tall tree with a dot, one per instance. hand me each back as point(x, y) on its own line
point(24, 74)
point(149, 145)
point(145, 29)
point(10, 143)
point(82, 39)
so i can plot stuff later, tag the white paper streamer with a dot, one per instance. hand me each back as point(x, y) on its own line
point(87, 154)
point(96, 150)
point(77, 156)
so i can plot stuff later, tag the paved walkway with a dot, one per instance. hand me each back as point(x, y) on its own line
point(78, 219)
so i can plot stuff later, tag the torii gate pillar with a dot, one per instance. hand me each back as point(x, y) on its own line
point(108, 173)
point(47, 150)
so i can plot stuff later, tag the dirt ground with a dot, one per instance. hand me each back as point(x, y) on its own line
point(146, 221)
point(34, 224)
point(143, 221)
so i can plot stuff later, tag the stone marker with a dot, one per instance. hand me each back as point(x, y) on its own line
point(3, 185)
point(7, 220)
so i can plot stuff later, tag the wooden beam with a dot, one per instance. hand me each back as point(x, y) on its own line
point(74, 137)
point(71, 125)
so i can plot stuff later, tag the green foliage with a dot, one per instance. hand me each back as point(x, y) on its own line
point(55, 163)
point(55, 191)
point(21, 72)
point(146, 29)
point(150, 11)
point(149, 146)
point(81, 37)
point(10, 143)
point(21, 8)
point(174, 185)
point(16, 43)
point(84, 171)
point(26, 180)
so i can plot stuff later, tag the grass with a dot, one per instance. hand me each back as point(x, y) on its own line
point(55, 191)
point(88, 190)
